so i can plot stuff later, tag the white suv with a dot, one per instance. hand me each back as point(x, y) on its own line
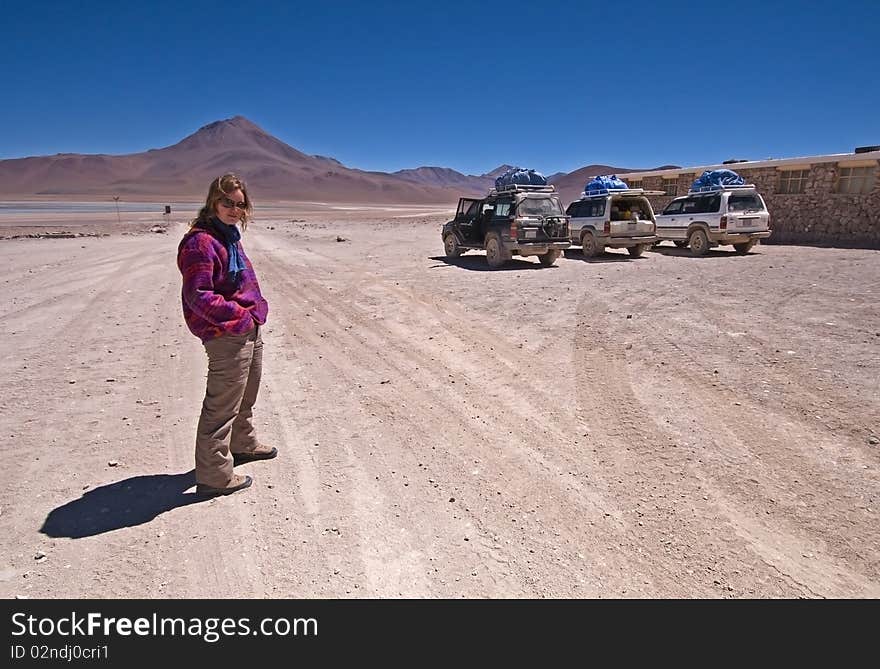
point(719, 215)
point(613, 218)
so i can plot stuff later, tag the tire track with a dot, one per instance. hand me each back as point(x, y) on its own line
point(718, 454)
point(395, 346)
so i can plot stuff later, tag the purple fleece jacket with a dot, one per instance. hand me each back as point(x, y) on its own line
point(213, 305)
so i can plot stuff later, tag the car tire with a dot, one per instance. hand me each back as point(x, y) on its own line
point(680, 243)
point(496, 255)
point(451, 246)
point(590, 245)
point(699, 242)
point(547, 259)
point(637, 250)
point(744, 248)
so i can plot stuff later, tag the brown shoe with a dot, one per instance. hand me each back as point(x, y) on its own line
point(238, 482)
point(259, 453)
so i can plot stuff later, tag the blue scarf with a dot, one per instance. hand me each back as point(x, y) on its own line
point(230, 235)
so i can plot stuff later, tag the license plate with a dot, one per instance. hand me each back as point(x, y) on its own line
point(531, 234)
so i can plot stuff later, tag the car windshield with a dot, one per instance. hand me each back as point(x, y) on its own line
point(744, 203)
point(539, 206)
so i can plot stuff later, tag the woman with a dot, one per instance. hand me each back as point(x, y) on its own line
point(223, 306)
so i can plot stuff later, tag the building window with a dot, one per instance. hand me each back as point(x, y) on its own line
point(792, 181)
point(670, 187)
point(635, 184)
point(856, 180)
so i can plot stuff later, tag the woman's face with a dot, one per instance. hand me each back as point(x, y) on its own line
point(230, 207)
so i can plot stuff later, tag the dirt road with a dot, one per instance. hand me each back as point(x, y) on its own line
point(666, 426)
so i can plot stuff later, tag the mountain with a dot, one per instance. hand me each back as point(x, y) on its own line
point(444, 177)
point(497, 172)
point(272, 169)
point(466, 184)
point(571, 185)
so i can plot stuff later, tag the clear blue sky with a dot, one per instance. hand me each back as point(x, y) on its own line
point(389, 85)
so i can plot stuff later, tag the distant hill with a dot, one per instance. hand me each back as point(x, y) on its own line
point(444, 177)
point(570, 185)
point(271, 168)
point(497, 172)
point(466, 184)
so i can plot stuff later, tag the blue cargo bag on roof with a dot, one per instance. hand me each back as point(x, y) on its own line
point(523, 177)
point(537, 179)
point(717, 178)
point(603, 183)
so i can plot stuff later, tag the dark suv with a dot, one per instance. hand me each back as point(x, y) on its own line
point(514, 220)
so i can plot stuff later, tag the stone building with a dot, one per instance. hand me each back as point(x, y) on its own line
point(829, 200)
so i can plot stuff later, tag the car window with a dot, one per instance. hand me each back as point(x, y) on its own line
point(539, 206)
point(749, 202)
point(581, 209)
point(710, 205)
point(673, 207)
point(623, 208)
point(469, 208)
point(502, 209)
point(588, 208)
point(702, 205)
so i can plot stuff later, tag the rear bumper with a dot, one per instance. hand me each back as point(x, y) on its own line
point(738, 237)
point(537, 248)
point(625, 242)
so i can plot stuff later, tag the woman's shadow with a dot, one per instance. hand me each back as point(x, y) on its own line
point(126, 503)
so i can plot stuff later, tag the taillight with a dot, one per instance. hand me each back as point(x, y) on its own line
point(768, 219)
point(513, 229)
point(607, 227)
point(724, 222)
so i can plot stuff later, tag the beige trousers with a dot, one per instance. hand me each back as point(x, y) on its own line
point(235, 365)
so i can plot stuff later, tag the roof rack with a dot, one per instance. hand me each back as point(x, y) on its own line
point(619, 191)
point(514, 188)
point(718, 189)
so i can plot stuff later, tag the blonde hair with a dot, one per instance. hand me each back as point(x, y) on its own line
point(221, 187)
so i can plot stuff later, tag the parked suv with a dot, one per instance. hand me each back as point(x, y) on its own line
point(514, 220)
point(612, 218)
point(721, 215)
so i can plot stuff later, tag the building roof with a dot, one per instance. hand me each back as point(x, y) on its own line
point(769, 162)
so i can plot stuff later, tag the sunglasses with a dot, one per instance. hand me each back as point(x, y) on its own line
point(230, 204)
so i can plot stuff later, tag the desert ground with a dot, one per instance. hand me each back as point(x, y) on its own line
point(661, 427)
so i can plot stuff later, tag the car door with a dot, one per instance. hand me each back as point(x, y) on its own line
point(671, 224)
point(619, 217)
point(746, 212)
point(589, 214)
point(631, 217)
point(575, 212)
point(466, 219)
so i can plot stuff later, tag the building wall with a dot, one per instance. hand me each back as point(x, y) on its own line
point(819, 215)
